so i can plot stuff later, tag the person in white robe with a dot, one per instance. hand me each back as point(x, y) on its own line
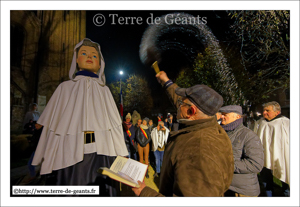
point(82, 126)
point(159, 137)
point(274, 132)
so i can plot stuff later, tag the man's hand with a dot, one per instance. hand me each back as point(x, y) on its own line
point(38, 126)
point(137, 191)
point(162, 77)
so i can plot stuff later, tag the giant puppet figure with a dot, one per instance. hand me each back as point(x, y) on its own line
point(82, 127)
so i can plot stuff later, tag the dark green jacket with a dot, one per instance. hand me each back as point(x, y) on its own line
point(198, 160)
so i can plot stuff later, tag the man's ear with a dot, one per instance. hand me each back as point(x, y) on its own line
point(192, 111)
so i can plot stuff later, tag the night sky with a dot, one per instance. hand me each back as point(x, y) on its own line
point(120, 43)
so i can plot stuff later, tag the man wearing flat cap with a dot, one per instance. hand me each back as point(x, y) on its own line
point(198, 159)
point(247, 151)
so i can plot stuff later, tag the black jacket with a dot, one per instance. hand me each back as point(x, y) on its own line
point(141, 139)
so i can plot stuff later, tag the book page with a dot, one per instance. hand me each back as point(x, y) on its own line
point(121, 177)
point(135, 170)
point(118, 164)
point(127, 177)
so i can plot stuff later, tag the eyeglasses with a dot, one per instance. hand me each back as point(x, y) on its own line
point(180, 102)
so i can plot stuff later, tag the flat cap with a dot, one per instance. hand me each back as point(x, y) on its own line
point(232, 108)
point(205, 98)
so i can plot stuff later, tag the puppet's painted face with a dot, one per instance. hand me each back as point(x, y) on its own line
point(88, 59)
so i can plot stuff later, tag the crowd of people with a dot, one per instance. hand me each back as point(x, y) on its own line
point(207, 152)
point(262, 150)
point(144, 137)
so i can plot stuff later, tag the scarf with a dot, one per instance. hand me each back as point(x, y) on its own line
point(144, 126)
point(128, 124)
point(161, 137)
point(231, 126)
point(87, 73)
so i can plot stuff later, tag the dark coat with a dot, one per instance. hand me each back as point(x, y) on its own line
point(198, 159)
point(129, 141)
point(141, 139)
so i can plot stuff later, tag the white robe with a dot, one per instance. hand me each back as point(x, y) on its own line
point(274, 136)
point(78, 105)
point(159, 138)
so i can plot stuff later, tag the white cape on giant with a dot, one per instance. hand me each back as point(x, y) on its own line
point(78, 105)
point(274, 136)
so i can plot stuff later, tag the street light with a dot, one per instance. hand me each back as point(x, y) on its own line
point(121, 98)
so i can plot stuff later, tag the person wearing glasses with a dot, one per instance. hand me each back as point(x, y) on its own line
point(198, 158)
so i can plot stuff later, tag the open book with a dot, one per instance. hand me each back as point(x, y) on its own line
point(125, 170)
